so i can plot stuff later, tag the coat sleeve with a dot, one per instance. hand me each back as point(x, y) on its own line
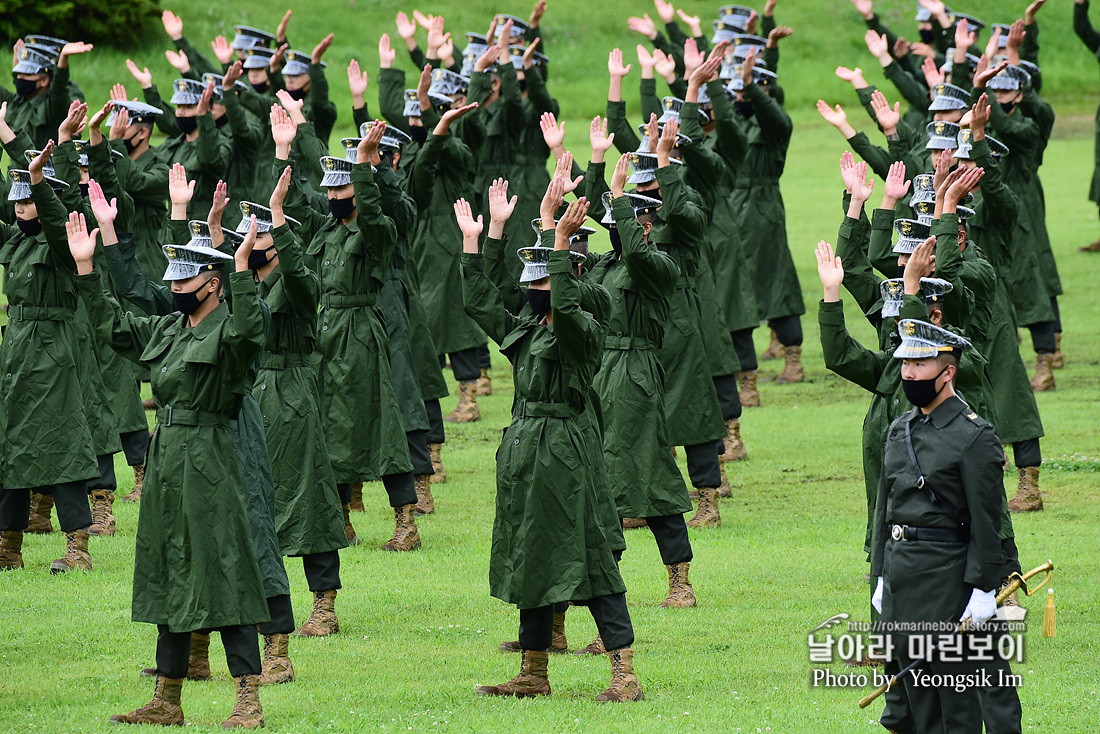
point(301, 285)
point(651, 270)
point(683, 215)
point(322, 111)
point(647, 91)
point(391, 99)
point(494, 253)
point(244, 337)
point(166, 122)
point(482, 300)
point(1082, 26)
point(626, 139)
point(983, 485)
point(377, 230)
point(775, 124)
point(53, 217)
point(131, 284)
point(125, 332)
point(214, 150)
point(103, 171)
point(578, 334)
point(859, 279)
point(732, 143)
point(843, 354)
point(880, 249)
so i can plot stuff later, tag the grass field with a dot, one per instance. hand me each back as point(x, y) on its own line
point(419, 631)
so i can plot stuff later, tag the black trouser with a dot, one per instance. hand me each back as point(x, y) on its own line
point(242, 651)
point(418, 452)
point(483, 360)
point(536, 626)
point(703, 466)
point(436, 432)
point(106, 479)
point(671, 534)
point(745, 349)
point(69, 499)
point(1057, 315)
point(729, 397)
point(465, 364)
point(135, 445)
point(788, 330)
point(322, 570)
point(1042, 337)
point(896, 715)
point(1001, 710)
point(399, 488)
point(1011, 556)
point(282, 616)
point(1026, 453)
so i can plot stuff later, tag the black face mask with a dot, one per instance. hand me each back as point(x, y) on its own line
point(221, 121)
point(298, 94)
point(653, 194)
point(418, 134)
point(539, 301)
point(927, 35)
point(341, 209)
point(901, 271)
point(261, 87)
point(187, 125)
point(522, 85)
point(258, 259)
point(744, 109)
point(29, 227)
point(922, 393)
point(84, 189)
point(187, 302)
point(25, 87)
point(616, 241)
point(1008, 107)
point(129, 144)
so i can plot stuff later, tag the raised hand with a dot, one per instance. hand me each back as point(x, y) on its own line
point(320, 48)
point(667, 142)
point(536, 14)
point(276, 62)
point(217, 208)
point(551, 200)
point(118, 93)
point(74, 121)
point(836, 117)
point(615, 66)
point(240, 257)
point(405, 27)
point(652, 132)
point(888, 117)
point(1016, 35)
point(500, 206)
point(471, 228)
point(358, 81)
point(95, 125)
point(600, 140)
point(896, 186)
point(1035, 7)
point(143, 76)
point(39, 162)
point(278, 195)
point(436, 34)
point(852, 76)
point(693, 57)
point(665, 11)
point(180, 190)
point(122, 121)
point(664, 65)
point(941, 169)
point(621, 174)
point(777, 34)
point(223, 52)
point(643, 25)
point(280, 31)
point(979, 117)
point(921, 264)
point(901, 48)
point(932, 73)
point(552, 133)
point(830, 270)
point(72, 49)
point(292, 106)
point(570, 223)
point(451, 116)
point(529, 54)
point(206, 101)
point(646, 62)
point(861, 185)
point(692, 22)
point(864, 8)
point(959, 187)
point(964, 37)
point(487, 59)
point(173, 25)
point(104, 211)
point(878, 46)
point(81, 242)
point(747, 66)
point(367, 150)
point(564, 170)
point(982, 76)
point(178, 60)
point(847, 169)
point(232, 74)
point(386, 54)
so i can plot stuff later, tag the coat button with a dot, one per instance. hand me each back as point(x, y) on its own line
point(163, 369)
point(517, 442)
point(324, 328)
point(521, 368)
point(895, 401)
point(326, 262)
point(263, 387)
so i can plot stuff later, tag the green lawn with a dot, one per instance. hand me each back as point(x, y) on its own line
point(419, 631)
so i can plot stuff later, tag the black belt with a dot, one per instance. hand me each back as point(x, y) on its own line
point(282, 361)
point(532, 409)
point(169, 416)
point(19, 312)
point(354, 300)
point(933, 535)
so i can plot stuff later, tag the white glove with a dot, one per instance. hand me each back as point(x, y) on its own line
point(981, 607)
point(876, 598)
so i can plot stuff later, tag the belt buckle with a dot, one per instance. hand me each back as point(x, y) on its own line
point(168, 416)
point(897, 532)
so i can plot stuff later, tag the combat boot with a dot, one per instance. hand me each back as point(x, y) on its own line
point(198, 663)
point(322, 621)
point(406, 536)
point(425, 503)
point(1059, 360)
point(247, 713)
point(532, 680)
point(76, 556)
point(163, 710)
point(680, 593)
point(1093, 247)
point(594, 648)
point(559, 644)
point(706, 514)
point(1043, 379)
point(747, 391)
point(466, 411)
point(1028, 497)
point(277, 667)
point(775, 348)
point(624, 684)
point(349, 529)
point(436, 452)
point(484, 383)
point(633, 523)
point(139, 480)
point(733, 447)
point(39, 522)
point(724, 488)
point(356, 504)
point(103, 519)
point(11, 550)
point(792, 367)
